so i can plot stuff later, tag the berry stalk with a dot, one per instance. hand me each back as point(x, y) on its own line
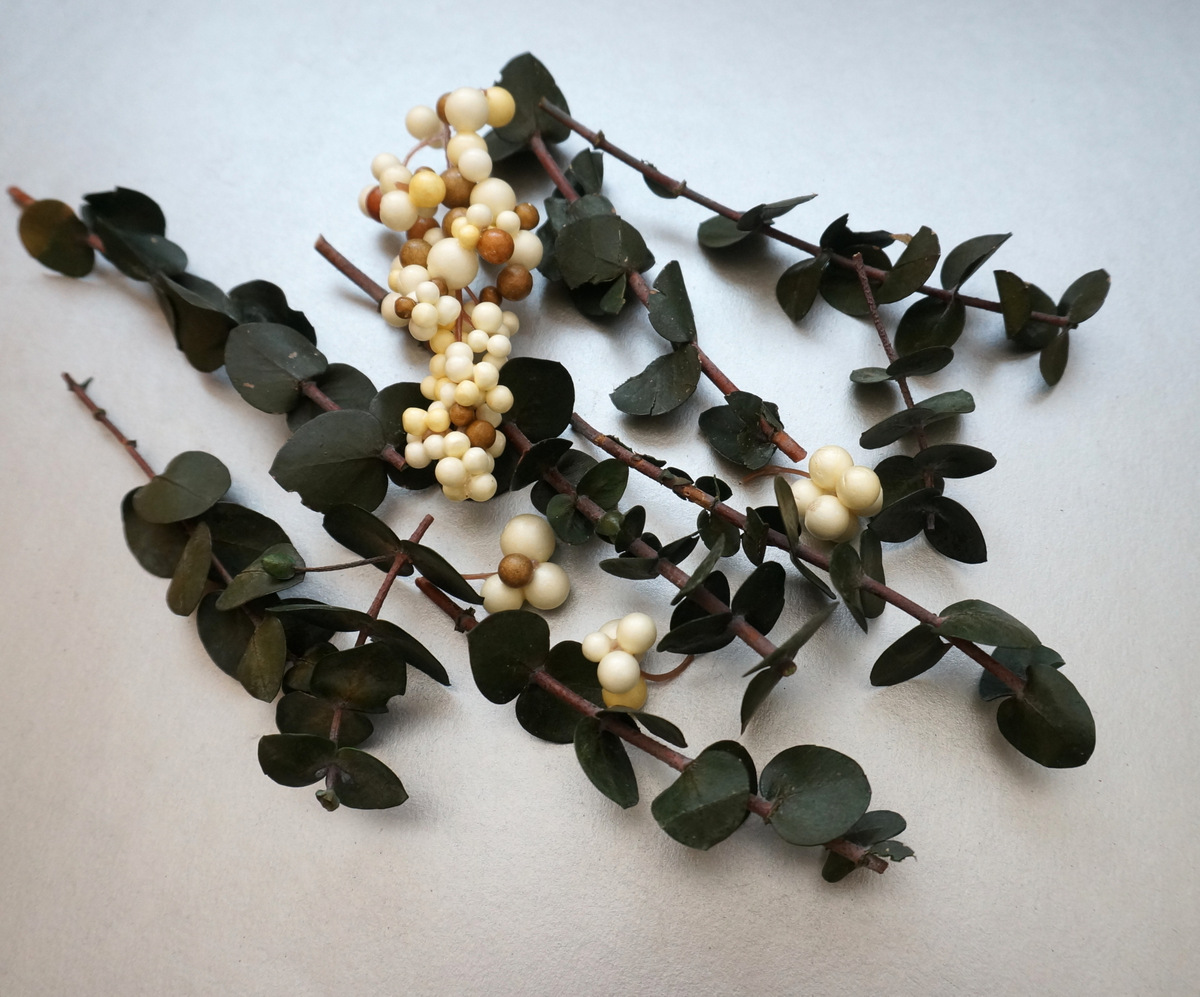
point(464, 622)
point(680, 189)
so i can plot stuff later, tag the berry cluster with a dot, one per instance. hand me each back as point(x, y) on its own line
point(482, 223)
point(525, 573)
point(835, 494)
point(618, 648)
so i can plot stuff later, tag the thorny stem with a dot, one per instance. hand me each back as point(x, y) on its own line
point(464, 622)
point(398, 564)
point(637, 283)
point(23, 200)
point(886, 342)
point(680, 189)
point(776, 539)
point(666, 569)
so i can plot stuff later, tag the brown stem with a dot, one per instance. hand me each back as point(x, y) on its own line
point(345, 564)
point(342, 264)
point(776, 539)
point(398, 563)
point(464, 620)
point(681, 189)
point(674, 673)
point(20, 198)
point(641, 290)
point(310, 391)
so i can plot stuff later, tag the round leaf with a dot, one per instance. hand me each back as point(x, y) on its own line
point(983, 623)
point(907, 657)
point(605, 762)
point(665, 384)
point(267, 362)
point(191, 573)
point(543, 393)
point(365, 783)
point(347, 386)
point(1049, 722)
point(363, 678)
point(709, 800)
point(262, 664)
point(53, 235)
point(505, 649)
point(816, 793)
point(262, 578)
point(191, 484)
point(156, 546)
point(294, 759)
point(300, 713)
point(334, 459)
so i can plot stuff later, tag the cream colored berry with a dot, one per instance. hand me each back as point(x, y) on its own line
point(383, 161)
point(426, 189)
point(422, 123)
point(499, 399)
point(528, 534)
point(618, 671)
point(451, 261)
point(498, 597)
point(475, 165)
point(416, 456)
point(859, 488)
point(495, 193)
point(636, 633)
point(549, 587)
point(827, 518)
point(397, 210)
point(596, 645)
point(481, 487)
point(826, 466)
point(805, 493)
point(467, 109)
point(634, 699)
point(501, 106)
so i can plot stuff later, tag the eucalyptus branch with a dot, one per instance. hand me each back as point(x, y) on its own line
point(23, 200)
point(464, 622)
point(776, 539)
point(399, 563)
point(641, 290)
point(679, 188)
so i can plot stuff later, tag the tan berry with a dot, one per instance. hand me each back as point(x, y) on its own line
point(460, 415)
point(441, 107)
point(453, 215)
point(516, 570)
point(491, 293)
point(420, 227)
point(404, 307)
point(528, 214)
point(480, 433)
point(495, 246)
point(373, 199)
point(514, 282)
point(414, 252)
point(458, 189)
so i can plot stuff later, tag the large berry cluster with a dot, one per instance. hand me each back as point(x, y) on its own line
point(618, 648)
point(835, 494)
point(482, 224)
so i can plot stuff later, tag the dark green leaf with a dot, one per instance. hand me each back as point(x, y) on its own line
point(669, 307)
point(736, 432)
point(266, 363)
point(156, 546)
point(540, 458)
point(1085, 296)
point(200, 315)
point(709, 633)
point(787, 650)
point(906, 516)
point(334, 618)
point(240, 535)
point(788, 512)
point(924, 413)
point(262, 301)
point(600, 301)
point(1036, 334)
point(362, 678)
point(605, 762)
point(754, 537)
point(701, 572)
point(713, 527)
point(954, 533)
point(720, 232)
point(900, 476)
point(599, 248)
point(570, 525)
point(300, 713)
point(53, 235)
point(1016, 304)
point(191, 573)
point(132, 228)
point(605, 483)
point(1017, 660)
point(529, 82)
point(894, 851)
point(334, 459)
point(709, 800)
point(967, 257)
point(586, 172)
point(572, 466)
point(797, 287)
point(348, 387)
point(190, 484)
point(871, 553)
point(927, 361)
point(928, 323)
point(760, 597)
point(954, 460)
point(262, 664)
point(544, 396)
point(817, 793)
point(757, 691)
point(666, 383)
point(1049, 722)
point(360, 531)
point(912, 269)
point(302, 638)
point(714, 486)
point(845, 571)
point(661, 728)
point(983, 623)
point(656, 188)
point(875, 826)
point(1053, 360)
point(546, 716)
point(260, 578)
point(634, 568)
point(632, 526)
point(295, 759)
point(869, 375)
point(441, 572)
point(365, 783)
point(760, 214)
point(678, 550)
point(841, 287)
point(836, 868)
point(914, 652)
point(842, 239)
point(505, 649)
point(225, 635)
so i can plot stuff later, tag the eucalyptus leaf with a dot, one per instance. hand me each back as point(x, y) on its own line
point(545, 715)
point(586, 172)
point(599, 248)
point(665, 384)
point(133, 230)
point(875, 826)
point(543, 393)
point(983, 623)
point(388, 407)
point(660, 728)
point(817, 793)
point(924, 413)
point(261, 667)
point(295, 759)
point(262, 578)
point(912, 269)
point(189, 485)
point(836, 868)
point(908, 656)
point(632, 525)
point(954, 460)
point(757, 691)
point(709, 633)
point(669, 307)
point(362, 678)
point(1049, 721)
point(262, 301)
point(709, 800)
point(797, 287)
point(954, 532)
point(788, 511)
point(505, 649)
point(346, 386)
point(1036, 334)
point(1053, 360)
point(605, 762)
point(633, 568)
point(415, 653)
point(530, 82)
point(200, 315)
point(569, 524)
point(156, 546)
point(300, 713)
point(871, 554)
point(605, 483)
point(53, 235)
point(224, 634)
point(839, 237)
point(754, 537)
point(760, 598)
point(334, 459)
point(689, 610)
point(441, 572)
point(701, 572)
point(1016, 304)
point(720, 232)
point(735, 430)
point(928, 323)
point(845, 570)
point(362, 532)
point(1016, 660)
point(761, 214)
point(967, 257)
point(1085, 296)
point(787, 650)
point(240, 535)
point(267, 364)
point(906, 516)
point(540, 457)
point(191, 573)
point(841, 288)
point(365, 783)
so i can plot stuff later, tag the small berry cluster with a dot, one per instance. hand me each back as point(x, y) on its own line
point(470, 340)
point(525, 573)
point(835, 494)
point(618, 648)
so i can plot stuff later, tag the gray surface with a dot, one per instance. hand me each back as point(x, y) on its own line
point(144, 852)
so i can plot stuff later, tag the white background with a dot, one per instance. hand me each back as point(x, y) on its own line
point(141, 849)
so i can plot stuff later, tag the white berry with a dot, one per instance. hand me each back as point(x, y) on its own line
point(549, 587)
point(636, 633)
point(827, 518)
point(528, 534)
point(618, 671)
point(827, 465)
